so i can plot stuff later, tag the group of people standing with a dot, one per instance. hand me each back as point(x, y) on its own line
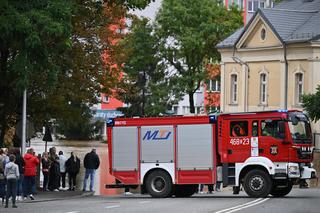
point(56, 167)
point(18, 174)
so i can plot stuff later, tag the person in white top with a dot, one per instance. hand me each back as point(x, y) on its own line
point(62, 163)
point(11, 172)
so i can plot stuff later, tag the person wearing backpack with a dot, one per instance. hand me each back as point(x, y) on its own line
point(11, 172)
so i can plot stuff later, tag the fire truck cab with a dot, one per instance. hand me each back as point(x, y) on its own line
point(265, 152)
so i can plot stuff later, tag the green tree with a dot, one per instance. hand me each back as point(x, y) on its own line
point(34, 35)
point(189, 31)
point(53, 48)
point(144, 85)
point(311, 103)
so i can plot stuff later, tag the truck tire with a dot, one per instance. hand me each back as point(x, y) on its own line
point(281, 192)
point(185, 190)
point(159, 184)
point(257, 183)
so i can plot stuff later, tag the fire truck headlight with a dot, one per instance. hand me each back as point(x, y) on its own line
point(293, 170)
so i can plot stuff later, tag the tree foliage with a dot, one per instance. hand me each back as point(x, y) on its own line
point(34, 35)
point(311, 103)
point(53, 48)
point(144, 85)
point(189, 31)
point(129, 4)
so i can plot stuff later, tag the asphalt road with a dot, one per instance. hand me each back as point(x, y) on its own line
point(298, 201)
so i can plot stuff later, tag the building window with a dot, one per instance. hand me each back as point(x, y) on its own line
point(263, 34)
point(105, 99)
point(213, 109)
point(234, 88)
point(263, 88)
point(185, 110)
point(298, 88)
point(175, 109)
point(254, 5)
point(213, 85)
point(238, 3)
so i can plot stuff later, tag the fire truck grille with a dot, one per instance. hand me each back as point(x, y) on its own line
point(281, 171)
point(304, 153)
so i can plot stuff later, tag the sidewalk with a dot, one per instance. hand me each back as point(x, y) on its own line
point(43, 196)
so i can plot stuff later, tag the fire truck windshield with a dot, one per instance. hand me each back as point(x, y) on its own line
point(299, 128)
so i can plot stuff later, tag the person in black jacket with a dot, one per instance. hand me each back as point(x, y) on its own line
point(45, 170)
point(20, 162)
point(72, 168)
point(91, 164)
point(54, 171)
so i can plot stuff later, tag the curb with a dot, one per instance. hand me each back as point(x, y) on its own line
point(86, 194)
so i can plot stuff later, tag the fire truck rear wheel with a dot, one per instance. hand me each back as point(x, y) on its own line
point(281, 192)
point(159, 184)
point(257, 183)
point(185, 190)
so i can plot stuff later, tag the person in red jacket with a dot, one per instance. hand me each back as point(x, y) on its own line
point(30, 171)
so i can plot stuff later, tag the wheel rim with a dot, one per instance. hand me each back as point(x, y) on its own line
point(158, 184)
point(256, 183)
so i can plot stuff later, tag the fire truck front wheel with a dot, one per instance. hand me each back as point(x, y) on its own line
point(159, 184)
point(281, 191)
point(257, 183)
point(185, 190)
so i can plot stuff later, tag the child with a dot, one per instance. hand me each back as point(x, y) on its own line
point(11, 172)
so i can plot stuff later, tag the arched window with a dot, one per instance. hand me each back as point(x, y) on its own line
point(263, 88)
point(298, 88)
point(234, 88)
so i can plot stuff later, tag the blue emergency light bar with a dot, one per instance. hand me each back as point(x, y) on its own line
point(110, 122)
point(212, 119)
point(282, 110)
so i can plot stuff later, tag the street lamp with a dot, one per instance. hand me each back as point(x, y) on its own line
point(246, 83)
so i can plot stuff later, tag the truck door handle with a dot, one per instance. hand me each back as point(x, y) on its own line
point(229, 151)
point(261, 150)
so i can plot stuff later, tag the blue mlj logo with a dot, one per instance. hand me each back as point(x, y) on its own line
point(157, 135)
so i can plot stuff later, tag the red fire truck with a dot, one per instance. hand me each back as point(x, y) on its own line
point(264, 152)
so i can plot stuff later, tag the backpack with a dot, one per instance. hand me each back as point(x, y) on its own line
point(2, 159)
point(2, 162)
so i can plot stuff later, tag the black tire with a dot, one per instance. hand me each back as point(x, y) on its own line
point(185, 190)
point(159, 184)
point(281, 191)
point(257, 183)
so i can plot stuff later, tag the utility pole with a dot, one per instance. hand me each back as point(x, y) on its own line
point(24, 122)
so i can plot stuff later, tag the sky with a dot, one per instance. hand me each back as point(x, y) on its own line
point(150, 11)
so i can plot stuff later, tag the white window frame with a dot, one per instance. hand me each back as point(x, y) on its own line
point(213, 85)
point(298, 87)
point(185, 110)
point(105, 99)
point(263, 89)
point(214, 108)
point(252, 4)
point(234, 88)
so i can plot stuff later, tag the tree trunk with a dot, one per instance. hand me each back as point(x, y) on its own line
point(191, 102)
point(3, 132)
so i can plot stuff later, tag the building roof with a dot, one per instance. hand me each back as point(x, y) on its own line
point(292, 21)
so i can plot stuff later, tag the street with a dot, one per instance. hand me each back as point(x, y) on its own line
point(299, 200)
